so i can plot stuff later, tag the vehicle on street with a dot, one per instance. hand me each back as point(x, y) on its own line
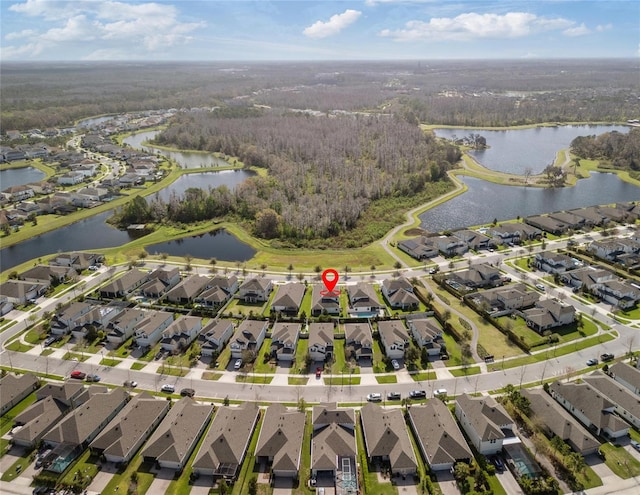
point(374, 397)
point(131, 384)
point(540, 287)
point(187, 392)
point(395, 364)
point(635, 445)
point(606, 357)
point(167, 387)
point(393, 396)
point(417, 394)
point(238, 364)
point(78, 375)
point(93, 378)
point(592, 362)
point(440, 392)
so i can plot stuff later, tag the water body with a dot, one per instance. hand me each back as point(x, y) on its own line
point(204, 180)
point(186, 159)
point(94, 121)
point(218, 244)
point(516, 149)
point(485, 201)
point(19, 176)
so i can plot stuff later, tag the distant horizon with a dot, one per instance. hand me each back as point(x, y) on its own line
point(296, 30)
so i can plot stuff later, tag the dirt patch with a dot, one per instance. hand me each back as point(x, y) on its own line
point(415, 232)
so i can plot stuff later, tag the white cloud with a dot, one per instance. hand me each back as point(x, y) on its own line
point(51, 10)
point(470, 26)
point(28, 50)
point(604, 27)
point(580, 30)
point(25, 33)
point(76, 29)
point(333, 26)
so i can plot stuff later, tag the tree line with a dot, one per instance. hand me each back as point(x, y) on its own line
point(621, 150)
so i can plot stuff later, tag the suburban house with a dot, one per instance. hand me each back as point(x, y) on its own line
point(187, 290)
point(420, 248)
point(548, 313)
point(427, 333)
point(627, 404)
point(124, 285)
point(556, 421)
point(48, 274)
point(66, 319)
point(180, 333)
point(215, 335)
point(225, 446)
point(485, 422)
point(248, 337)
point(98, 317)
point(148, 332)
point(333, 443)
point(120, 328)
point(175, 438)
point(18, 193)
point(474, 240)
point(280, 441)
point(551, 262)
point(255, 290)
point(587, 277)
point(36, 420)
point(68, 393)
point(477, 276)
point(438, 436)
point(592, 217)
point(321, 341)
point(14, 388)
point(548, 224)
point(288, 298)
point(394, 337)
point(503, 300)
point(218, 292)
point(160, 281)
point(358, 341)
point(20, 291)
point(386, 439)
point(450, 245)
point(284, 339)
point(399, 294)
point(324, 303)
point(79, 261)
point(78, 429)
point(571, 220)
point(363, 299)
point(512, 233)
point(624, 295)
point(126, 433)
point(626, 375)
point(590, 407)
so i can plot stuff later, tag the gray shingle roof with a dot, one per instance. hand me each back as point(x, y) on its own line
point(281, 437)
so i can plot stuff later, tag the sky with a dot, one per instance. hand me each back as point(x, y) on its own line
point(212, 30)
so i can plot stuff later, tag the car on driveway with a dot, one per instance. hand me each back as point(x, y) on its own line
point(238, 364)
point(497, 462)
point(395, 364)
point(78, 375)
point(167, 387)
point(417, 394)
point(187, 392)
point(592, 362)
point(318, 372)
point(393, 396)
point(374, 397)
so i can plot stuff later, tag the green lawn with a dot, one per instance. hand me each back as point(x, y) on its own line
point(172, 371)
point(266, 379)
point(298, 366)
point(470, 370)
point(110, 362)
point(620, 461)
point(298, 381)
point(263, 362)
point(208, 375)
point(138, 366)
point(72, 356)
point(121, 482)
point(18, 346)
point(386, 378)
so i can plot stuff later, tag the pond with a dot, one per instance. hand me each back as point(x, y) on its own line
point(516, 149)
point(204, 180)
point(485, 201)
point(19, 176)
point(218, 244)
point(186, 159)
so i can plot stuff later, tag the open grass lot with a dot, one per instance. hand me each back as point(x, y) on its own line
point(566, 333)
point(238, 307)
point(620, 461)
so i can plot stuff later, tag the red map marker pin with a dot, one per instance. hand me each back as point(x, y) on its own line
point(330, 283)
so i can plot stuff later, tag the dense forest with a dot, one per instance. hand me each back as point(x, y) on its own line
point(621, 151)
point(480, 93)
point(324, 172)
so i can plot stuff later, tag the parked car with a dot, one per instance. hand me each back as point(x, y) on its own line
point(497, 462)
point(318, 372)
point(50, 340)
point(393, 396)
point(374, 397)
point(131, 384)
point(606, 357)
point(592, 362)
point(417, 394)
point(540, 287)
point(93, 378)
point(238, 364)
point(635, 445)
point(395, 364)
point(167, 387)
point(78, 375)
point(187, 392)
point(440, 392)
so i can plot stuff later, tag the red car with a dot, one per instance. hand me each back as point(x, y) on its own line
point(78, 375)
point(318, 372)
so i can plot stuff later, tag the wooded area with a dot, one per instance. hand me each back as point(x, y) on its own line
point(621, 150)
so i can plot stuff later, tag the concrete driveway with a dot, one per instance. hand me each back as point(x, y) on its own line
point(447, 483)
point(161, 481)
point(103, 477)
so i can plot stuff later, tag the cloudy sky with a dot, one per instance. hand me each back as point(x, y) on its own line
point(316, 29)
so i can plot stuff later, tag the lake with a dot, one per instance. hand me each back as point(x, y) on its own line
point(186, 159)
point(516, 149)
point(485, 201)
point(204, 180)
point(19, 176)
point(218, 244)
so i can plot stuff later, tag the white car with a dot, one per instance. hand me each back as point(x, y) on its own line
point(238, 364)
point(540, 287)
point(395, 364)
point(167, 387)
point(441, 391)
point(374, 397)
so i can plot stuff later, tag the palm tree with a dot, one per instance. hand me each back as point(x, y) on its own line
point(373, 269)
point(318, 269)
point(213, 263)
point(263, 267)
point(290, 268)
